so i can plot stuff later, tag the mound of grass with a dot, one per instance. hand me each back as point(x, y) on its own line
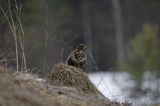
point(65, 75)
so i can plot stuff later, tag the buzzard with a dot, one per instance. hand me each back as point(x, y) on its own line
point(77, 57)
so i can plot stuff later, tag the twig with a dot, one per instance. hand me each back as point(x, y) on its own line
point(21, 35)
point(61, 55)
point(6, 65)
point(13, 29)
point(101, 76)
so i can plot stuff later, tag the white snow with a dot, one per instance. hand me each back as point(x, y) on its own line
point(117, 86)
point(111, 84)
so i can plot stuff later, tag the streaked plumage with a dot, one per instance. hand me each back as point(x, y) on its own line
point(77, 58)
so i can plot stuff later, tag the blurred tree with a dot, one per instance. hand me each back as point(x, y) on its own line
point(87, 33)
point(30, 21)
point(143, 54)
point(86, 16)
point(117, 15)
point(143, 59)
point(64, 28)
point(71, 22)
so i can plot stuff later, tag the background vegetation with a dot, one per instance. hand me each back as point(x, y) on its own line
point(120, 34)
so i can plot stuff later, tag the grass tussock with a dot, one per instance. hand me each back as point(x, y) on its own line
point(65, 75)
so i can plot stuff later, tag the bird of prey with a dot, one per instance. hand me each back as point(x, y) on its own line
point(77, 57)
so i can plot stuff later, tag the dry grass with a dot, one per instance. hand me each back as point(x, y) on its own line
point(65, 75)
point(27, 91)
point(23, 89)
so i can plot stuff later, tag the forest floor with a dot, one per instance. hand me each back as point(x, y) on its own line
point(24, 89)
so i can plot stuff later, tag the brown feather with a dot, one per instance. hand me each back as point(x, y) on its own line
point(77, 57)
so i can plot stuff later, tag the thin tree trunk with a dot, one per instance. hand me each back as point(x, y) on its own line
point(117, 14)
point(46, 41)
point(87, 28)
point(87, 24)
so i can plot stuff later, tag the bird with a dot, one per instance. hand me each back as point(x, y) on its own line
point(77, 58)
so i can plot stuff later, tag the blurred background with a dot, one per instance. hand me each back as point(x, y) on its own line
point(122, 38)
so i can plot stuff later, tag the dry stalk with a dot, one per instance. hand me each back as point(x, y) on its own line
point(21, 35)
point(12, 24)
point(61, 56)
point(101, 76)
point(13, 29)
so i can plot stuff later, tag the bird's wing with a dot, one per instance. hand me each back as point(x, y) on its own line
point(83, 57)
point(70, 56)
point(74, 57)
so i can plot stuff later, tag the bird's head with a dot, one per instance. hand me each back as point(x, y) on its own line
point(82, 47)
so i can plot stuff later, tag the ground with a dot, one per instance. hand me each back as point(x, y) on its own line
point(24, 89)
